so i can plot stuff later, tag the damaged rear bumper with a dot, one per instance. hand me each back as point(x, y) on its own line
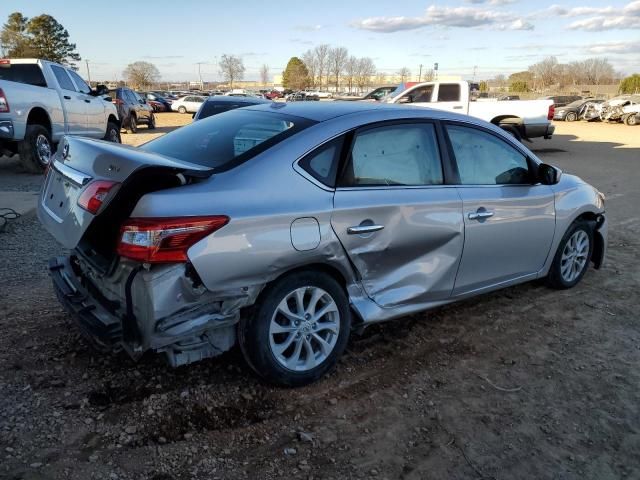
point(136, 309)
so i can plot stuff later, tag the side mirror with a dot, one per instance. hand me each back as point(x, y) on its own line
point(548, 174)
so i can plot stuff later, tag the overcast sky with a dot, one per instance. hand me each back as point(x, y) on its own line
point(497, 36)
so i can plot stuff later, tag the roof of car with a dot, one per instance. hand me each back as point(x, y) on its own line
point(322, 111)
point(236, 99)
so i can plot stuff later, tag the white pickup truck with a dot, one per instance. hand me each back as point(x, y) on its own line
point(522, 118)
point(40, 101)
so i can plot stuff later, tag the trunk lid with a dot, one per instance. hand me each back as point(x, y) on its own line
point(78, 162)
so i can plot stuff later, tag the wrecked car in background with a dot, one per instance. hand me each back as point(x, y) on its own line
point(283, 226)
point(622, 109)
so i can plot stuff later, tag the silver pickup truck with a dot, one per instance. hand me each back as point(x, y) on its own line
point(40, 101)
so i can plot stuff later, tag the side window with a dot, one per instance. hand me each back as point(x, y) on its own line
point(401, 154)
point(484, 159)
point(322, 163)
point(136, 97)
point(63, 79)
point(80, 83)
point(188, 99)
point(449, 92)
point(421, 94)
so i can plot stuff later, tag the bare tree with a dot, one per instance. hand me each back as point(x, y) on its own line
point(544, 72)
point(598, 70)
point(141, 74)
point(366, 70)
point(351, 71)
point(264, 74)
point(428, 75)
point(404, 73)
point(232, 68)
point(321, 53)
point(309, 59)
point(337, 61)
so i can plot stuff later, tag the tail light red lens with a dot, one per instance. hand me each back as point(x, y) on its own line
point(117, 101)
point(165, 240)
point(4, 104)
point(552, 112)
point(94, 195)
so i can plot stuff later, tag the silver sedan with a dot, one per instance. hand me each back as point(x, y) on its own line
point(283, 227)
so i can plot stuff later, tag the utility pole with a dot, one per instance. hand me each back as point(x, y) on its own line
point(199, 74)
point(475, 67)
point(420, 74)
point(88, 71)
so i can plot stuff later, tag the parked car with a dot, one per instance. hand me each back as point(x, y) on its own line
point(190, 104)
point(562, 100)
point(622, 108)
point(571, 112)
point(132, 109)
point(223, 103)
point(273, 94)
point(318, 93)
point(521, 118)
point(157, 106)
point(509, 97)
point(155, 97)
point(301, 97)
point(281, 227)
point(40, 101)
point(375, 95)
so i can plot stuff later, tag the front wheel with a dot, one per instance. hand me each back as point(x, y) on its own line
point(631, 119)
point(572, 257)
point(113, 133)
point(152, 122)
point(298, 331)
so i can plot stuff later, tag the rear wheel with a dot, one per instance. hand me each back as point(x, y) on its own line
point(298, 330)
point(133, 124)
point(36, 149)
point(182, 110)
point(572, 257)
point(571, 117)
point(631, 119)
point(113, 133)
point(152, 122)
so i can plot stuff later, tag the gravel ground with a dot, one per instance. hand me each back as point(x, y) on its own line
point(522, 383)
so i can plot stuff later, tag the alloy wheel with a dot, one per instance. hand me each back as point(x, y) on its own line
point(574, 256)
point(304, 329)
point(43, 149)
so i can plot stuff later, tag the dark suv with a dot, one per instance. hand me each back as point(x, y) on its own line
point(133, 110)
point(219, 103)
point(562, 100)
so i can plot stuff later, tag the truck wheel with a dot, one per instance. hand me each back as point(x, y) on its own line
point(152, 122)
point(133, 124)
point(36, 149)
point(113, 133)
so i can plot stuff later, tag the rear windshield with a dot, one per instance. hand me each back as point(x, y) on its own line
point(226, 140)
point(29, 73)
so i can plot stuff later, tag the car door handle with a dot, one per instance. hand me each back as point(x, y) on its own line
point(67, 97)
point(86, 100)
point(360, 229)
point(458, 107)
point(480, 215)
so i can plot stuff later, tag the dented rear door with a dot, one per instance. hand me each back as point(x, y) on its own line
point(401, 227)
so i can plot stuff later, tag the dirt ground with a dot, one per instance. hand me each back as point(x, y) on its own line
point(524, 383)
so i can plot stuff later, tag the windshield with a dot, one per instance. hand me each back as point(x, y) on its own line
point(228, 139)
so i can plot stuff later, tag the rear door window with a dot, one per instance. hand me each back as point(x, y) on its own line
point(80, 83)
point(398, 154)
point(449, 92)
point(322, 163)
point(63, 78)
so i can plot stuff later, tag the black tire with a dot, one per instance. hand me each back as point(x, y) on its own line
point(511, 130)
point(555, 278)
point(32, 150)
point(631, 120)
point(182, 110)
point(571, 117)
point(133, 123)
point(113, 133)
point(253, 330)
point(152, 122)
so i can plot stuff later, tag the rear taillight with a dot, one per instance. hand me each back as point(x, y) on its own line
point(552, 112)
point(117, 101)
point(95, 194)
point(163, 240)
point(4, 104)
